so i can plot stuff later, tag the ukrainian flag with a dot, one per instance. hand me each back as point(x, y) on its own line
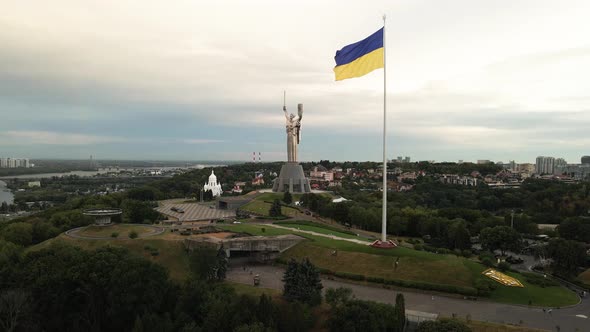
point(360, 58)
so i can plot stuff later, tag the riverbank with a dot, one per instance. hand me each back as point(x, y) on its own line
point(5, 194)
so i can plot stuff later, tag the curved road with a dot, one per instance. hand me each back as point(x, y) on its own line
point(565, 318)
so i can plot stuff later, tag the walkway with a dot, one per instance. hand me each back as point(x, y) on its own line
point(566, 319)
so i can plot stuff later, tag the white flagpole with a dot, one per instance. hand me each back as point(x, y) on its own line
point(384, 217)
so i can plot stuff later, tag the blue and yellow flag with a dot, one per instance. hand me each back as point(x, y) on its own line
point(360, 58)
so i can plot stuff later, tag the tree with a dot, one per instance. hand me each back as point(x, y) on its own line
point(14, 307)
point(20, 233)
point(275, 209)
point(459, 237)
point(400, 312)
point(501, 238)
point(266, 311)
point(208, 263)
point(43, 230)
point(287, 198)
point(302, 283)
point(577, 229)
point(336, 297)
point(4, 207)
point(357, 315)
point(567, 255)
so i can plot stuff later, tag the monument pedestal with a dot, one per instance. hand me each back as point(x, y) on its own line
point(291, 179)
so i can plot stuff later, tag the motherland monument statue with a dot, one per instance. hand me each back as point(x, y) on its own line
point(292, 178)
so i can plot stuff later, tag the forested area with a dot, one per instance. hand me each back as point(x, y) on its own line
point(65, 288)
point(432, 208)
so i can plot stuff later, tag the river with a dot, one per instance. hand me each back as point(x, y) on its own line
point(100, 171)
point(5, 194)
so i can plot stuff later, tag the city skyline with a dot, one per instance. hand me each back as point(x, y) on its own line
point(201, 81)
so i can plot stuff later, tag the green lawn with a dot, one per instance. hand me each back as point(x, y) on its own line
point(448, 270)
point(259, 204)
point(319, 229)
point(253, 229)
point(547, 297)
point(477, 326)
point(262, 208)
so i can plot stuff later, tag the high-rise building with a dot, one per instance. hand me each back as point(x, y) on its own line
point(586, 160)
point(14, 162)
point(560, 162)
point(545, 165)
point(512, 166)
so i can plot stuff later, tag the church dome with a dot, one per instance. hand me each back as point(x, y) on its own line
point(212, 177)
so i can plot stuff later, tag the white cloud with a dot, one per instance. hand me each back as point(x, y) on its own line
point(28, 137)
point(201, 141)
point(226, 64)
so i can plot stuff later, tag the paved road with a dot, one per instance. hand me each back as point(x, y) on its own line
point(445, 306)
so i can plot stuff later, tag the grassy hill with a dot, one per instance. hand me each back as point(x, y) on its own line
point(171, 254)
point(415, 268)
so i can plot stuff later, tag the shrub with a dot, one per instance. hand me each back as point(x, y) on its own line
point(487, 262)
point(485, 254)
point(155, 252)
point(484, 287)
point(114, 234)
point(466, 253)
point(133, 235)
point(538, 280)
point(419, 247)
point(350, 276)
point(504, 266)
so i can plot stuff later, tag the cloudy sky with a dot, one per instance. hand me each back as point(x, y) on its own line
point(204, 80)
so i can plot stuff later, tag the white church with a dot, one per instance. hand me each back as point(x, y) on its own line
point(212, 185)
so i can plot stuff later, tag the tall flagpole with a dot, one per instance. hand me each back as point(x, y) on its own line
point(384, 217)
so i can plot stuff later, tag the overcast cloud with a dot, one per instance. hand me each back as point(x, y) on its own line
point(203, 80)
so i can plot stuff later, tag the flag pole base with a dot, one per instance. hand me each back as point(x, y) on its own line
point(383, 245)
